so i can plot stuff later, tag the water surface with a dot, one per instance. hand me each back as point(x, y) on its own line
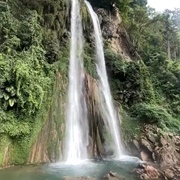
point(59, 170)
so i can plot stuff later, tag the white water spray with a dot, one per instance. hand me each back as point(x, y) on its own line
point(111, 116)
point(76, 119)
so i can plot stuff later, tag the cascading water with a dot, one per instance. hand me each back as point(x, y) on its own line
point(111, 116)
point(76, 141)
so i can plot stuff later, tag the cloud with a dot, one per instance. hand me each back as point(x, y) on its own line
point(161, 5)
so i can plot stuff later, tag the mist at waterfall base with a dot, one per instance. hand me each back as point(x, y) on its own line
point(58, 171)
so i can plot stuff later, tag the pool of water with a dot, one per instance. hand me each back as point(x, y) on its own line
point(95, 169)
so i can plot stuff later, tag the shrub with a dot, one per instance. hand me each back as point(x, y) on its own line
point(155, 114)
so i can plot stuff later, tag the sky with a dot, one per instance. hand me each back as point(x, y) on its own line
point(161, 5)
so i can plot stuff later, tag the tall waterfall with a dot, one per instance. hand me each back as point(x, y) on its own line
point(76, 141)
point(111, 116)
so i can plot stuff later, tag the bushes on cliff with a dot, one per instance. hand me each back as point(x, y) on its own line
point(151, 113)
point(156, 114)
point(13, 128)
point(23, 69)
point(150, 94)
point(31, 50)
point(130, 80)
point(165, 76)
point(26, 76)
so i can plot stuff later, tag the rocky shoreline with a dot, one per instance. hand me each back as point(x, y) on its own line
point(161, 151)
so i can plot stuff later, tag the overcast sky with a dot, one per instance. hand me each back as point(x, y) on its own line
point(161, 5)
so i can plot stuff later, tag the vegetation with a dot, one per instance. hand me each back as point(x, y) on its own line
point(29, 57)
point(24, 71)
point(149, 88)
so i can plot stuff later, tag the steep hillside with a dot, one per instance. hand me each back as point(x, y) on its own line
point(33, 59)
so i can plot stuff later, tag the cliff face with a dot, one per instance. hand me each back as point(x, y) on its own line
point(115, 34)
point(48, 146)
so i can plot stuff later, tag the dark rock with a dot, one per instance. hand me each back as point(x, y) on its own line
point(167, 155)
point(78, 178)
point(114, 176)
point(144, 176)
point(48, 144)
point(138, 171)
point(146, 171)
point(169, 174)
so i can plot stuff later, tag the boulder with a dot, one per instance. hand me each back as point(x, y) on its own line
point(144, 156)
point(144, 176)
point(160, 147)
point(136, 143)
point(169, 174)
point(151, 172)
point(78, 178)
point(146, 171)
point(114, 176)
point(163, 141)
point(147, 144)
point(167, 155)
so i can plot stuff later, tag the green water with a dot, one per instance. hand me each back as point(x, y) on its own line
point(59, 170)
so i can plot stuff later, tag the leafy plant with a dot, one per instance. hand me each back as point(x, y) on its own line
point(155, 114)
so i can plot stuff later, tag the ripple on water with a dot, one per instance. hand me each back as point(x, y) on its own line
point(57, 171)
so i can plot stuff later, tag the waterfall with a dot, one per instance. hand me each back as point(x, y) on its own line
point(76, 141)
point(111, 115)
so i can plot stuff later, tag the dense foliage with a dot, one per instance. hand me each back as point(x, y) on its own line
point(30, 44)
point(149, 88)
point(23, 70)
